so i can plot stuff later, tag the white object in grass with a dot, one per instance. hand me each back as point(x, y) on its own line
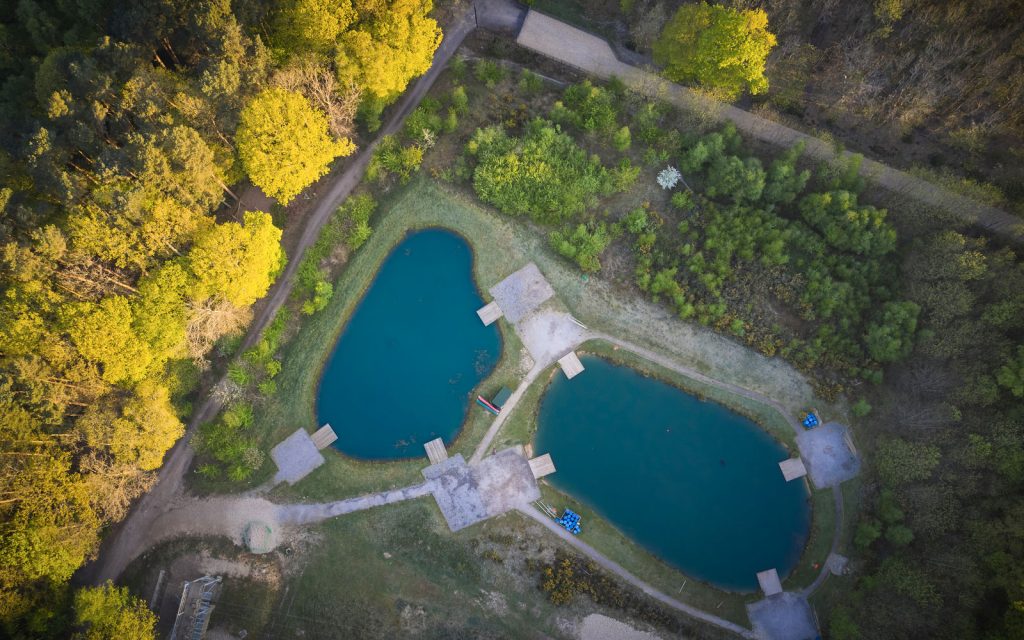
point(669, 177)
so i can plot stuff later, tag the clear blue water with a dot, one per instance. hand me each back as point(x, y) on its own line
point(692, 482)
point(404, 367)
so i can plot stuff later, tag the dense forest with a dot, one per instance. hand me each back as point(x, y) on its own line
point(125, 130)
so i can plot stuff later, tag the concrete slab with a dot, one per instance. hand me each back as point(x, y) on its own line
point(792, 469)
point(829, 454)
point(548, 335)
point(571, 365)
point(489, 313)
point(469, 494)
point(769, 582)
point(296, 456)
point(436, 452)
point(837, 564)
point(784, 616)
point(522, 292)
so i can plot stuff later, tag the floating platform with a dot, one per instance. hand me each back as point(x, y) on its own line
point(436, 451)
point(489, 313)
point(769, 582)
point(571, 365)
point(792, 469)
point(324, 437)
point(542, 466)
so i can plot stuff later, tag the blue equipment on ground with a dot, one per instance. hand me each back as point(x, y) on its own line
point(811, 420)
point(571, 521)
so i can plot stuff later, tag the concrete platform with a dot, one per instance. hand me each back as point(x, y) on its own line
point(769, 582)
point(489, 314)
point(468, 494)
point(829, 454)
point(296, 456)
point(837, 564)
point(792, 469)
point(784, 616)
point(522, 292)
point(324, 437)
point(571, 365)
point(436, 452)
point(542, 466)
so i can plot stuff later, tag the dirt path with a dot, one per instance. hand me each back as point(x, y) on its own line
point(594, 55)
point(506, 410)
point(618, 570)
point(135, 533)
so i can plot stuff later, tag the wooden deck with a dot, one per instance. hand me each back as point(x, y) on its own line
point(542, 466)
point(769, 582)
point(324, 436)
point(436, 451)
point(792, 469)
point(571, 365)
point(489, 313)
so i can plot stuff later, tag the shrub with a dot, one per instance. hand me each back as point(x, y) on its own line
point(543, 174)
point(489, 72)
point(584, 244)
point(622, 139)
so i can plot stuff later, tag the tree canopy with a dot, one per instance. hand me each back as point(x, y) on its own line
point(283, 143)
point(717, 47)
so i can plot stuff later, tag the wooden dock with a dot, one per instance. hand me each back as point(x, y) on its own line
point(542, 466)
point(489, 313)
point(323, 437)
point(436, 451)
point(792, 469)
point(769, 582)
point(571, 365)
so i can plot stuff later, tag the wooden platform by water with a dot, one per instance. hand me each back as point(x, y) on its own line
point(542, 466)
point(769, 582)
point(571, 365)
point(323, 437)
point(436, 451)
point(792, 469)
point(489, 313)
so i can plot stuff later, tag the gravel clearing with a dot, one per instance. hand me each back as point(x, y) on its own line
point(599, 627)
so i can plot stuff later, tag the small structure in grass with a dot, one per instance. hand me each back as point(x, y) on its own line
point(436, 452)
point(769, 582)
point(198, 598)
point(571, 365)
point(792, 469)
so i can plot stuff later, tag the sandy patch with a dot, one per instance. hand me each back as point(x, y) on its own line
point(549, 335)
point(599, 627)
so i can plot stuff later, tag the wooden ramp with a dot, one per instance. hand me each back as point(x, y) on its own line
point(769, 582)
point(323, 437)
point(489, 313)
point(436, 451)
point(542, 466)
point(792, 469)
point(571, 365)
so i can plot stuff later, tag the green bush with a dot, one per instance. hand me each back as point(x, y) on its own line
point(584, 244)
point(543, 174)
point(489, 72)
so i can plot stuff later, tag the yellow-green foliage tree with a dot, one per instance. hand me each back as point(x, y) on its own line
point(112, 613)
point(391, 43)
point(236, 262)
point(720, 48)
point(283, 143)
point(311, 25)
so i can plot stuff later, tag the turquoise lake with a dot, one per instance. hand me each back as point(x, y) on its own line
point(692, 482)
point(404, 367)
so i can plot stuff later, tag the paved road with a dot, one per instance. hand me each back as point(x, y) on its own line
point(618, 570)
point(594, 55)
point(127, 538)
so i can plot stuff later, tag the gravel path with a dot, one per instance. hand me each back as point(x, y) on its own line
point(618, 570)
point(309, 513)
point(506, 409)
